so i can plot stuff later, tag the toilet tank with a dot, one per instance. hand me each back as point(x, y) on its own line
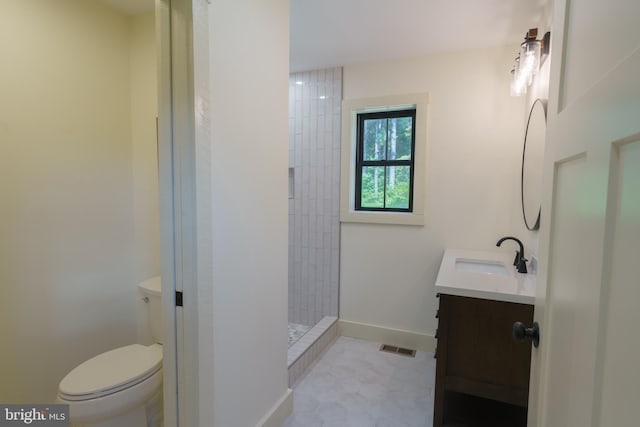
point(151, 290)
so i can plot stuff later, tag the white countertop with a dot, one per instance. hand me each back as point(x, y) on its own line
point(513, 287)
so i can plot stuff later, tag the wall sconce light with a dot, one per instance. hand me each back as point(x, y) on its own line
point(532, 54)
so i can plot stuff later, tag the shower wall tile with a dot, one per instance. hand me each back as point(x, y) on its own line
point(314, 140)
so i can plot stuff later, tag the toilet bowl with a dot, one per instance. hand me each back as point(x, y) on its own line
point(121, 387)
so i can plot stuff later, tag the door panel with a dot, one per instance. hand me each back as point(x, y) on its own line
point(569, 297)
point(589, 55)
point(619, 373)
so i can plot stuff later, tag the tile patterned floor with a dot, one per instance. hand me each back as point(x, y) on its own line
point(296, 331)
point(356, 385)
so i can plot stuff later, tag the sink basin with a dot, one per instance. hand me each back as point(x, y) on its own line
point(486, 275)
point(482, 266)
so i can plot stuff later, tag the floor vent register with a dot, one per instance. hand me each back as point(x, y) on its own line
point(398, 350)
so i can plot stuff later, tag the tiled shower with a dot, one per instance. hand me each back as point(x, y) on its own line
point(314, 205)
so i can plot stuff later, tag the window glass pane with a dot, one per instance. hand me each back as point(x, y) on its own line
point(400, 138)
point(398, 187)
point(372, 195)
point(375, 139)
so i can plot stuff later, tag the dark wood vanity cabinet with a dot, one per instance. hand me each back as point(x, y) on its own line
point(482, 374)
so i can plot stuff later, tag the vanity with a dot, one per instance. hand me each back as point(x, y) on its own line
point(482, 373)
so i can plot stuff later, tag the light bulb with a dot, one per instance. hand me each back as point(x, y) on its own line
point(518, 80)
point(518, 84)
point(530, 56)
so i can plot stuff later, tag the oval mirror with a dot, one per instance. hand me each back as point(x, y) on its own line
point(532, 164)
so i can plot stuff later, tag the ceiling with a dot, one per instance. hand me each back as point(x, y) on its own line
point(328, 33)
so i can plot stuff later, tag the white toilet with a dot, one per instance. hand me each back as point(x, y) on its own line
point(121, 387)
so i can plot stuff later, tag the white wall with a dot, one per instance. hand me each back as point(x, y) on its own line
point(67, 282)
point(473, 179)
point(144, 110)
point(249, 83)
point(144, 156)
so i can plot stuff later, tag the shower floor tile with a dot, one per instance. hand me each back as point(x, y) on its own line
point(296, 331)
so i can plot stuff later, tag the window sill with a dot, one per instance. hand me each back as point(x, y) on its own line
point(396, 218)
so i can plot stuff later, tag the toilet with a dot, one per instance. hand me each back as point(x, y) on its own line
point(121, 387)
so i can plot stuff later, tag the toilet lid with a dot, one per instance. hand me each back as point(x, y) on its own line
point(112, 371)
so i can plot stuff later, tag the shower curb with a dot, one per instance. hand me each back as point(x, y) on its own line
point(307, 349)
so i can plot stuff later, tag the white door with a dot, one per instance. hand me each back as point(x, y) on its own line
point(586, 371)
point(183, 152)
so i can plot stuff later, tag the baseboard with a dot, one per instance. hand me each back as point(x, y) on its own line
point(390, 336)
point(280, 411)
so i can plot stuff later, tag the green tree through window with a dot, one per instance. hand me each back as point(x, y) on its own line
point(384, 161)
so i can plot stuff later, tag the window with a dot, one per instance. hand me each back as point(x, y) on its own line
point(384, 161)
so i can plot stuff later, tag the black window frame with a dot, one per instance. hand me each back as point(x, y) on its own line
point(361, 163)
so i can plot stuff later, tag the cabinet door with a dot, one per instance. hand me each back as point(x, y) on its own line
point(483, 358)
point(477, 357)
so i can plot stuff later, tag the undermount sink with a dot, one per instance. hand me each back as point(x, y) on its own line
point(484, 274)
point(482, 266)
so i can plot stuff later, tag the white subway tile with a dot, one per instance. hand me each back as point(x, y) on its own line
point(314, 137)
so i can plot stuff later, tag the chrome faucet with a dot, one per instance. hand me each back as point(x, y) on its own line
point(520, 261)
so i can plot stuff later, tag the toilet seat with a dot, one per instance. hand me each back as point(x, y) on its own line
point(111, 372)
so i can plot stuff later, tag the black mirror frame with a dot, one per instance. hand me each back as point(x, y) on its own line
point(536, 224)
